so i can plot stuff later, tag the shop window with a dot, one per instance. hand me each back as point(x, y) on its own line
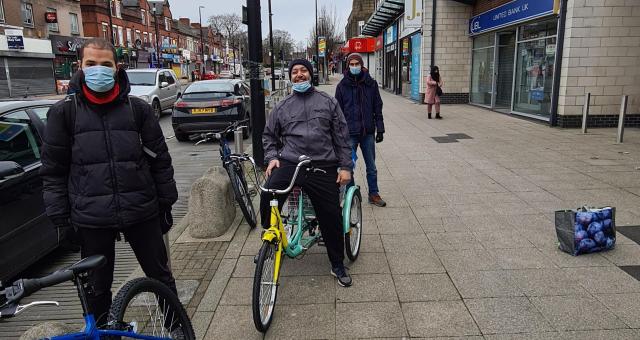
point(27, 14)
point(482, 69)
point(129, 41)
point(534, 76)
point(538, 30)
point(143, 15)
point(53, 26)
point(75, 24)
point(105, 31)
point(120, 36)
point(118, 7)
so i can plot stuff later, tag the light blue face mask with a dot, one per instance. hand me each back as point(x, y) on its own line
point(99, 78)
point(302, 86)
point(355, 70)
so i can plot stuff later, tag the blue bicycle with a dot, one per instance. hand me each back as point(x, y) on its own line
point(144, 308)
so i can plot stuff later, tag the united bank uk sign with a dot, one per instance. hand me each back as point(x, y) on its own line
point(511, 13)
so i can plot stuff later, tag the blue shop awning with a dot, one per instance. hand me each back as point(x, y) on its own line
point(383, 16)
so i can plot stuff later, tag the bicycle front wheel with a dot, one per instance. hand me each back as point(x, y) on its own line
point(148, 307)
point(265, 288)
point(241, 193)
point(353, 238)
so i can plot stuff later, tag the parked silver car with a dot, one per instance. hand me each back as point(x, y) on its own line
point(158, 87)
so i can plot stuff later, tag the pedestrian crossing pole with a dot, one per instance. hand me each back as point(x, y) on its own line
point(256, 76)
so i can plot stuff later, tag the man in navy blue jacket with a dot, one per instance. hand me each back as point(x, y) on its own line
point(359, 98)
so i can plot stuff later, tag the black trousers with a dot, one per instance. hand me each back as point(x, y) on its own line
point(146, 241)
point(324, 193)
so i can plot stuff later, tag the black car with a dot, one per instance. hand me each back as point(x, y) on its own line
point(210, 105)
point(26, 233)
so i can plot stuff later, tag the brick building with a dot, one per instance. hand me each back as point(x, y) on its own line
point(360, 12)
point(535, 59)
point(36, 35)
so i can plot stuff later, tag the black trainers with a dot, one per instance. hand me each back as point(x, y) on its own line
point(341, 274)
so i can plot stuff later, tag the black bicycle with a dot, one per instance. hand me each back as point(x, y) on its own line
point(232, 163)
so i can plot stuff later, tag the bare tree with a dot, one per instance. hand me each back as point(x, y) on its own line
point(227, 24)
point(330, 27)
point(282, 41)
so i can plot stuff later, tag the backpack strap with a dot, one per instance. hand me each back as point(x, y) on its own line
point(70, 110)
point(137, 117)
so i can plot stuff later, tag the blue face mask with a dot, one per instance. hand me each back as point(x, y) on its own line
point(99, 78)
point(355, 70)
point(301, 87)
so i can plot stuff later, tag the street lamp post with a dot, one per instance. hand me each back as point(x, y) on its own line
point(317, 41)
point(201, 39)
point(273, 74)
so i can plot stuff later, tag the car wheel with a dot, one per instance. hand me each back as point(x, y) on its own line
point(182, 137)
point(157, 110)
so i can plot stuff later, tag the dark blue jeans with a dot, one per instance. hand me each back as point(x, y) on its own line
point(367, 144)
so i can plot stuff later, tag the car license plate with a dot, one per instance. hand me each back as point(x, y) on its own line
point(204, 110)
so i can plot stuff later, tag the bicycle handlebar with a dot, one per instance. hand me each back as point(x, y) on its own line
point(304, 161)
point(202, 137)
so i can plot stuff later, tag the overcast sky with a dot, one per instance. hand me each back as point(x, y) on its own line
point(294, 16)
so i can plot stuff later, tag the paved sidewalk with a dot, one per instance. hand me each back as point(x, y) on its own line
point(466, 247)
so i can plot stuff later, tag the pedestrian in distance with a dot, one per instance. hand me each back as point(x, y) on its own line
point(106, 170)
point(359, 98)
point(434, 91)
point(309, 122)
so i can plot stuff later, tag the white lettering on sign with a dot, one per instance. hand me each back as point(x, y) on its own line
point(511, 11)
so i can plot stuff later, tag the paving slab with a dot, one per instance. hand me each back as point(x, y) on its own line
point(308, 321)
point(604, 280)
point(546, 282)
point(454, 240)
point(522, 258)
point(438, 318)
point(295, 290)
point(425, 287)
point(578, 312)
point(419, 263)
point(369, 320)
point(507, 315)
point(365, 288)
point(233, 322)
point(467, 259)
point(625, 306)
point(485, 284)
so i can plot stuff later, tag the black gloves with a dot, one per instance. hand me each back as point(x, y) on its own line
point(379, 137)
point(166, 220)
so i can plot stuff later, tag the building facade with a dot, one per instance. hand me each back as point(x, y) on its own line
point(360, 12)
point(535, 59)
point(33, 45)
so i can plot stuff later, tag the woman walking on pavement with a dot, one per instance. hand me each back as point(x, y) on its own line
point(433, 91)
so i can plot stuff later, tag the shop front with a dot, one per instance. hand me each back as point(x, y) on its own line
point(514, 58)
point(65, 62)
point(391, 58)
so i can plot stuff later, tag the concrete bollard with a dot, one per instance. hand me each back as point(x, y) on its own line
point(46, 330)
point(623, 112)
point(211, 205)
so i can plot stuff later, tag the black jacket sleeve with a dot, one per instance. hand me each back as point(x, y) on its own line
point(56, 162)
point(377, 109)
point(161, 168)
point(340, 137)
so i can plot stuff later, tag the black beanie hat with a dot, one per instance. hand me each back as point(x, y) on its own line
point(304, 62)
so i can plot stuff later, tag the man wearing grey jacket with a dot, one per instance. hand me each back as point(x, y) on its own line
point(309, 122)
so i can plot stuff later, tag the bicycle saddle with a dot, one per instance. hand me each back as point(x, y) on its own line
point(87, 264)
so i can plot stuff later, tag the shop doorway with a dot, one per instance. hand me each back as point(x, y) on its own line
point(504, 75)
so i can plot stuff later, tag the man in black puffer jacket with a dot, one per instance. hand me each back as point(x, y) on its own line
point(106, 169)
